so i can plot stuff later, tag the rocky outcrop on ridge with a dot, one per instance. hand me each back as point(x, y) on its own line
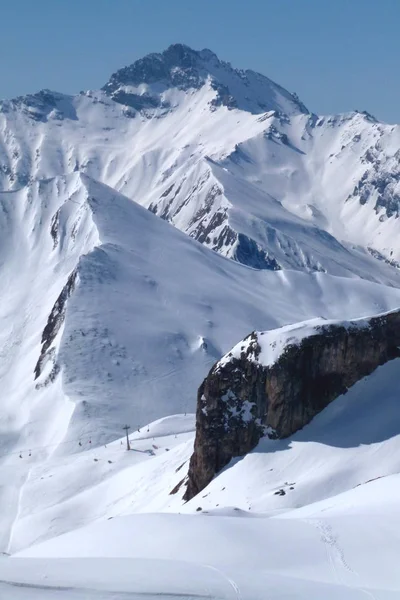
point(274, 382)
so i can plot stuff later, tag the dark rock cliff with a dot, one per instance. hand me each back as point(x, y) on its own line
point(247, 395)
point(53, 325)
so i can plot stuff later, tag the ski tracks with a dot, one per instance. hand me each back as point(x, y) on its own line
point(335, 554)
point(333, 548)
point(232, 583)
point(17, 511)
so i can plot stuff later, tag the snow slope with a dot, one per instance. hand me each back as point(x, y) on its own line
point(338, 173)
point(353, 441)
point(248, 540)
point(303, 555)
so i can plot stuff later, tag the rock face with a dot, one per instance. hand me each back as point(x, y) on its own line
point(53, 325)
point(273, 383)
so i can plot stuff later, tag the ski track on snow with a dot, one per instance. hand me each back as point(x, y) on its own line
point(18, 510)
point(231, 581)
point(335, 554)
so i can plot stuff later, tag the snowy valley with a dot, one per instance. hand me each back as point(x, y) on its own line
point(147, 228)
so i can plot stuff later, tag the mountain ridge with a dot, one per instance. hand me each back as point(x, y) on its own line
point(333, 176)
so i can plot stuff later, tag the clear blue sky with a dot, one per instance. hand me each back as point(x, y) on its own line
point(336, 54)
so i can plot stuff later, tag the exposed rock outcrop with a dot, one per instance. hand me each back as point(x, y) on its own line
point(53, 325)
point(275, 382)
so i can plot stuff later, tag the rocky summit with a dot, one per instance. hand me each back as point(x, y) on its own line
point(141, 84)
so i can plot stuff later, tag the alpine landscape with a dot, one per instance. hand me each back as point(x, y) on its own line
point(198, 267)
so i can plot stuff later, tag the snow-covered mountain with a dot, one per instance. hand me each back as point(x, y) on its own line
point(227, 156)
point(120, 212)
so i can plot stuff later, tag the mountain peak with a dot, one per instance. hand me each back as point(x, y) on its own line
point(184, 56)
point(157, 67)
point(141, 84)
point(42, 106)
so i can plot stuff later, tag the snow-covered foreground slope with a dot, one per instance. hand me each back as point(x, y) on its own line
point(248, 541)
point(329, 551)
point(352, 441)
